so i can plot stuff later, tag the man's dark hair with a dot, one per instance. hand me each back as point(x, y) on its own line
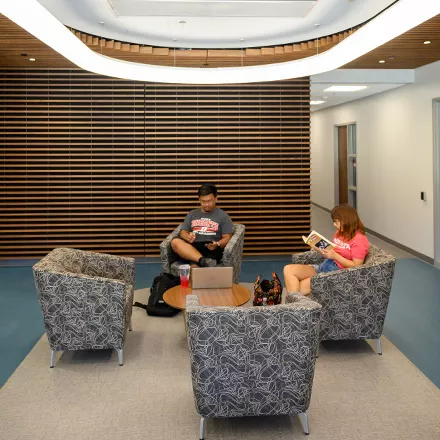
point(206, 189)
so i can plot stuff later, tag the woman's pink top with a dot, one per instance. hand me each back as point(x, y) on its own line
point(354, 249)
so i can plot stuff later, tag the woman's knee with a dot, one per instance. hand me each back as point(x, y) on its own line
point(287, 271)
point(291, 269)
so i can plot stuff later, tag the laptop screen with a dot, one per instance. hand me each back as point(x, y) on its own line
point(211, 277)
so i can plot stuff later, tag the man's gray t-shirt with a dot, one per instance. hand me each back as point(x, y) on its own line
point(208, 226)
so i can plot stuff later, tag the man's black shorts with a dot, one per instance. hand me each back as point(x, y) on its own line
point(216, 254)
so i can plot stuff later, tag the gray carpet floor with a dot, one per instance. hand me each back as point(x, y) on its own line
point(357, 394)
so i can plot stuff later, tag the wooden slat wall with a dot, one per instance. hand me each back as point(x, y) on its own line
point(111, 165)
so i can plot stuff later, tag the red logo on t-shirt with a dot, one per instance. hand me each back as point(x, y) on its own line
point(204, 226)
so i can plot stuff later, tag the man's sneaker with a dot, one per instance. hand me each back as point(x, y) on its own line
point(207, 262)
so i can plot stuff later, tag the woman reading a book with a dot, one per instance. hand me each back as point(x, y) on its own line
point(349, 248)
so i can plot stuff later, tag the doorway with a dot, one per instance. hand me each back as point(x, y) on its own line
point(436, 124)
point(346, 169)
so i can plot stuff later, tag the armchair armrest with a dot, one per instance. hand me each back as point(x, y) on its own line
point(165, 250)
point(235, 244)
point(328, 284)
point(233, 251)
point(310, 257)
point(192, 301)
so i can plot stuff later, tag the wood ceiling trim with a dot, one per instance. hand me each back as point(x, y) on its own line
point(170, 56)
point(406, 51)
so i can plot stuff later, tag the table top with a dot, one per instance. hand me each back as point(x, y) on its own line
point(235, 296)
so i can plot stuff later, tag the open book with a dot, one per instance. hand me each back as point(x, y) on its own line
point(316, 240)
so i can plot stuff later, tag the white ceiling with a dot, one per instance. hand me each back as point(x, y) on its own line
point(213, 23)
point(376, 80)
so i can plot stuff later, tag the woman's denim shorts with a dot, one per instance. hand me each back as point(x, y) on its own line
point(326, 266)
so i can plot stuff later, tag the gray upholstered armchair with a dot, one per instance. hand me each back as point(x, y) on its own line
point(232, 254)
point(86, 299)
point(253, 361)
point(354, 300)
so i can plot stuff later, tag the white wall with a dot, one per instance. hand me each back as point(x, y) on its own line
point(395, 159)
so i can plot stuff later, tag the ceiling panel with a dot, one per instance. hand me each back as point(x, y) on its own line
point(213, 8)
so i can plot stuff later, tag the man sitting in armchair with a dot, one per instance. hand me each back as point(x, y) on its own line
point(205, 231)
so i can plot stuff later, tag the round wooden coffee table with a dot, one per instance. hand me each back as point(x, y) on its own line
point(235, 296)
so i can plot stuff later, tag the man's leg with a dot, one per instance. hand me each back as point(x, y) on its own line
point(185, 250)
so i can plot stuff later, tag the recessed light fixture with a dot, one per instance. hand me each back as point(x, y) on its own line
point(31, 59)
point(381, 61)
point(24, 54)
point(427, 42)
point(316, 102)
point(397, 19)
point(391, 58)
point(344, 88)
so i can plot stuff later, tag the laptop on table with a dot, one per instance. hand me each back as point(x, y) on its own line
point(211, 277)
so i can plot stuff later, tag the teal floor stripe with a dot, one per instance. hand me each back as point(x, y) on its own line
point(412, 324)
point(21, 325)
point(413, 318)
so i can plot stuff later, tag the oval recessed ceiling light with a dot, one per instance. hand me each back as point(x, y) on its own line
point(397, 19)
point(351, 88)
point(427, 42)
point(31, 59)
point(381, 61)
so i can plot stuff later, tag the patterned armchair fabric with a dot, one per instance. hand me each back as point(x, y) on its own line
point(355, 300)
point(86, 299)
point(253, 361)
point(232, 254)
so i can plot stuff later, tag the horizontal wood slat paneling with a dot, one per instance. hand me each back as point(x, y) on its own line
point(113, 166)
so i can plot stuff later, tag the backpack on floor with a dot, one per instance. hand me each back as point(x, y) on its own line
point(156, 305)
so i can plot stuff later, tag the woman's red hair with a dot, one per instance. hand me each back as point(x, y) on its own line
point(349, 220)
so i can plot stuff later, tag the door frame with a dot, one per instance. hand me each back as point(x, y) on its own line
point(436, 163)
point(336, 156)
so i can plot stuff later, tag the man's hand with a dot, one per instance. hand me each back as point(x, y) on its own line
point(212, 246)
point(191, 237)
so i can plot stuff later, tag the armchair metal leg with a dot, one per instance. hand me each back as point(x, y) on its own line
point(53, 353)
point(202, 428)
point(378, 346)
point(130, 326)
point(120, 356)
point(304, 422)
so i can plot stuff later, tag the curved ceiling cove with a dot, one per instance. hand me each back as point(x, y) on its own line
point(208, 24)
point(399, 18)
